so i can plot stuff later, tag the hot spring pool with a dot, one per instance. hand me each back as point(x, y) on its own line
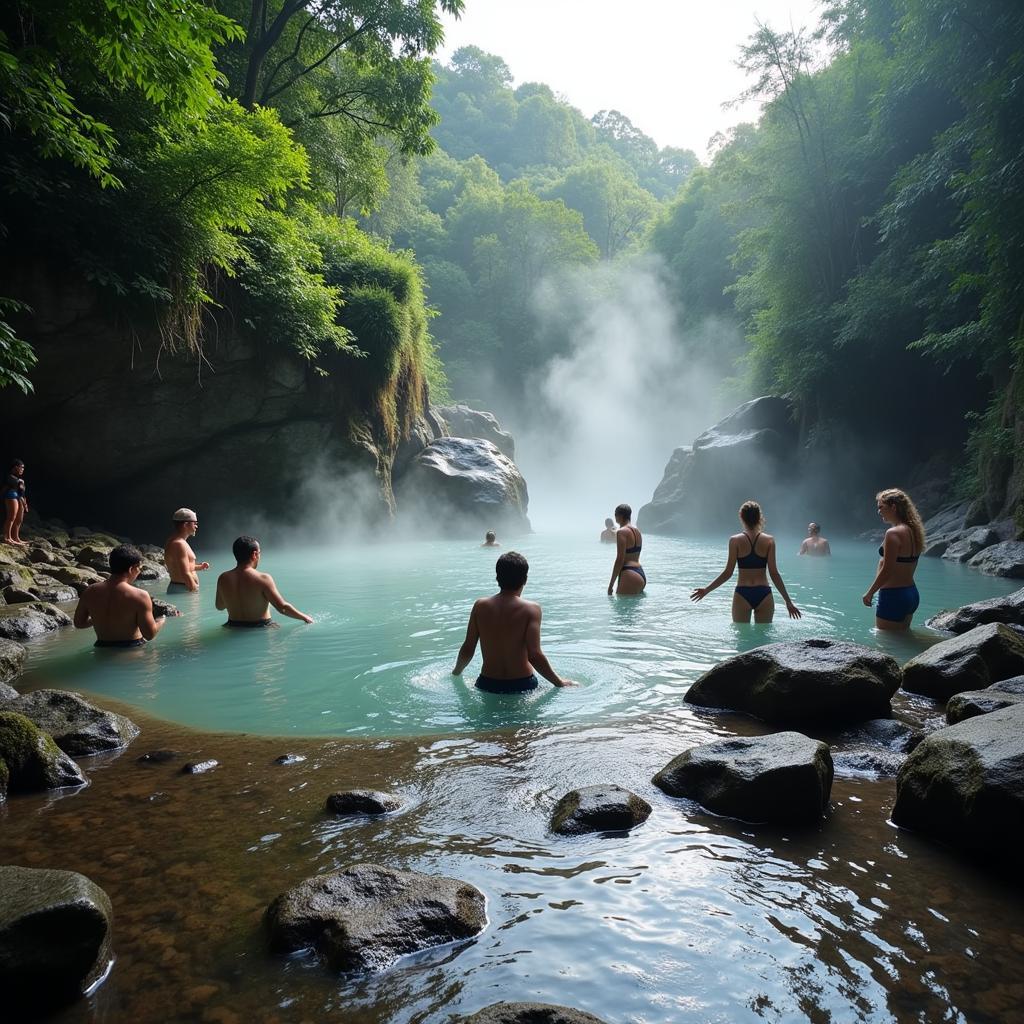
point(389, 620)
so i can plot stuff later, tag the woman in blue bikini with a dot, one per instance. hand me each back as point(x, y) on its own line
point(627, 569)
point(894, 582)
point(15, 503)
point(753, 551)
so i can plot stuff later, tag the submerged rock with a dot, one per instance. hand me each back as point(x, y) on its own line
point(54, 939)
point(199, 767)
point(965, 785)
point(1008, 609)
point(785, 777)
point(12, 660)
point(1005, 559)
point(971, 661)
point(822, 681)
point(972, 703)
point(891, 733)
point(77, 727)
point(530, 1013)
point(157, 757)
point(362, 801)
point(288, 759)
point(462, 421)
point(29, 759)
point(752, 450)
point(467, 483)
point(366, 916)
point(26, 621)
point(598, 809)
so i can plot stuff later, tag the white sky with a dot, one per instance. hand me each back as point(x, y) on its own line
point(668, 65)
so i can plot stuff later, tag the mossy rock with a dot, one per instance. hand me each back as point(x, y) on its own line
point(12, 660)
point(24, 621)
point(31, 758)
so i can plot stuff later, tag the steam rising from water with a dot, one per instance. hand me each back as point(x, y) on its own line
point(606, 417)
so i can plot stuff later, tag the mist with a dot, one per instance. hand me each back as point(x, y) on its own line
point(602, 420)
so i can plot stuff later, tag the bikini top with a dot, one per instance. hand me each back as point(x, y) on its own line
point(752, 560)
point(636, 549)
point(899, 558)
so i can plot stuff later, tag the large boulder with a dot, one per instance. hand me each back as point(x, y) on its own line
point(752, 451)
point(970, 543)
point(971, 661)
point(29, 759)
point(972, 703)
point(54, 939)
point(1005, 559)
point(530, 1013)
point(77, 727)
point(365, 916)
point(464, 483)
point(965, 785)
point(12, 660)
point(1008, 608)
point(75, 576)
point(363, 802)
point(784, 777)
point(606, 808)
point(805, 681)
point(24, 621)
point(462, 421)
point(95, 557)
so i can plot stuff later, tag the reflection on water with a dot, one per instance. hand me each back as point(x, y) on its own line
point(378, 659)
point(690, 918)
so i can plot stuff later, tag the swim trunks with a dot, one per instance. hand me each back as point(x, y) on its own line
point(134, 642)
point(753, 595)
point(896, 603)
point(174, 587)
point(506, 685)
point(245, 624)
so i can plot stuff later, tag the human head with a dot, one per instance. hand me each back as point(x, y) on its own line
point(895, 506)
point(609, 523)
point(489, 537)
point(244, 548)
point(751, 515)
point(512, 569)
point(124, 558)
point(17, 467)
point(623, 514)
point(813, 529)
point(186, 522)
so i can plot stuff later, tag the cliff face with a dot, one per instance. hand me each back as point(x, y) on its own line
point(123, 431)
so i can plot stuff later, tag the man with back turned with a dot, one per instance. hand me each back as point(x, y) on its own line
point(120, 612)
point(508, 629)
point(247, 594)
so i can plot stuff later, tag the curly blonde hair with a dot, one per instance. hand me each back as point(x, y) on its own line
point(751, 515)
point(899, 500)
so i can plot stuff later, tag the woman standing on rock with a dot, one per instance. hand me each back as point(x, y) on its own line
point(628, 543)
point(901, 548)
point(753, 551)
point(15, 503)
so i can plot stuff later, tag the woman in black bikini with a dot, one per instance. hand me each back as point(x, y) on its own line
point(15, 503)
point(894, 581)
point(628, 542)
point(753, 551)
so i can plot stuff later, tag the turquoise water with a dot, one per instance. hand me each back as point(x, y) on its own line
point(390, 620)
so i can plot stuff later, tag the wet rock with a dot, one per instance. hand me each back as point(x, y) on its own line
point(54, 939)
point(77, 727)
point(164, 609)
point(462, 421)
point(822, 681)
point(44, 588)
point(363, 801)
point(964, 785)
point(18, 595)
point(874, 764)
point(1008, 609)
point(157, 757)
point(970, 661)
point(31, 760)
point(28, 620)
point(752, 450)
point(12, 660)
point(891, 733)
point(970, 543)
point(153, 571)
point(95, 557)
point(785, 777)
point(945, 527)
point(75, 577)
point(530, 1013)
point(972, 703)
point(286, 759)
point(466, 482)
point(366, 916)
point(1005, 559)
point(606, 808)
point(199, 767)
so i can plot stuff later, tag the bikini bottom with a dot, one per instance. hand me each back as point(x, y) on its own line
point(753, 595)
point(506, 685)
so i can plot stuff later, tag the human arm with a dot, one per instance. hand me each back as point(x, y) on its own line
point(536, 655)
point(218, 601)
point(148, 625)
point(273, 595)
point(730, 567)
point(773, 572)
point(82, 619)
point(890, 549)
point(620, 557)
point(828, 549)
point(803, 548)
point(468, 648)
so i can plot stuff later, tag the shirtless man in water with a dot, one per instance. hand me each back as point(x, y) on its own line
point(814, 543)
point(120, 612)
point(178, 555)
point(247, 594)
point(508, 629)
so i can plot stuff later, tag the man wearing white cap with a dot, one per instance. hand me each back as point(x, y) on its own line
point(179, 556)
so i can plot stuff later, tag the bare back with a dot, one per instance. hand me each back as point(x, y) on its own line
point(116, 610)
point(505, 623)
point(245, 593)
